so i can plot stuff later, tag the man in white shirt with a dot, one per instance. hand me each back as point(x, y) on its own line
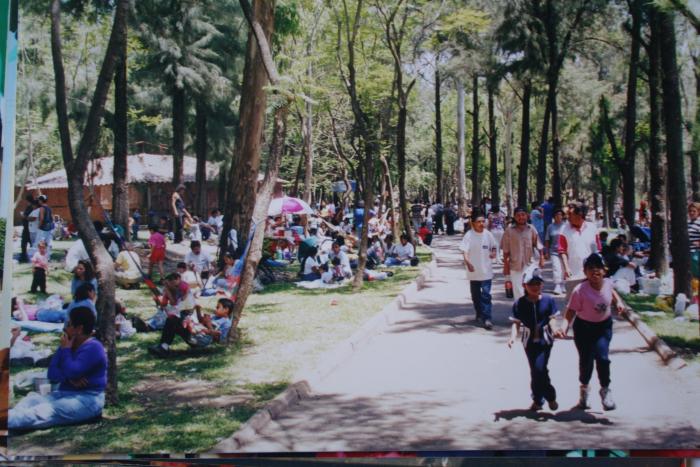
point(198, 261)
point(214, 225)
point(578, 239)
point(479, 249)
point(75, 253)
point(400, 255)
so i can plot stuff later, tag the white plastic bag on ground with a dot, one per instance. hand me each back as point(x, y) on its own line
point(622, 286)
point(681, 302)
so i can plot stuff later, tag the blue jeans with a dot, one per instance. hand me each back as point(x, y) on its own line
point(540, 384)
point(52, 316)
point(593, 344)
point(391, 261)
point(312, 276)
point(481, 298)
point(56, 408)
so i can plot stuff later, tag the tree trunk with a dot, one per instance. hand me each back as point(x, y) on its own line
point(508, 159)
point(179, 115)
point(120, 187)
point(461, 155)
point(659, 232)
point(401, 163)
point(262, 204)
point(628, 179)
point(201, 149)
point(476, 191)
point(542, 152)
point(493, 152)
point(307, 126)
point(297, 178)
point(556, 167)
point(524, 146)
point(243, 176)
point(438, 134)
point(695, 149)
point(76, 168)
point(674, 155)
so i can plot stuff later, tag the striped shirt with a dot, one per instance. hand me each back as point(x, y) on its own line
point(694, 234)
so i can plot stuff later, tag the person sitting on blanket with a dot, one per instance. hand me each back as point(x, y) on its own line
point(211, 329)
point(310, 267)
point(84, 297)
point(123, 327)
point(178, 302)
point(401, 254)
point(80, 367)
point(344, 267)
point(127, 268)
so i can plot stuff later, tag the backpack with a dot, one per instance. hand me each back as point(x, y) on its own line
point(47, 224)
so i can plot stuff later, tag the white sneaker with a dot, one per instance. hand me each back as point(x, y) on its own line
point(606, 399)
point(557, 290)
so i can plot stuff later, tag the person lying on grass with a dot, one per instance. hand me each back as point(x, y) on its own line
point(80, 367)
point(85, 296)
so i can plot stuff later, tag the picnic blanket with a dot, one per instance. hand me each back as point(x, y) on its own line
point(319, 284)
point(38, 326)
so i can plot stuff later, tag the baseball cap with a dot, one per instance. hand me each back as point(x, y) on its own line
point(532, 275)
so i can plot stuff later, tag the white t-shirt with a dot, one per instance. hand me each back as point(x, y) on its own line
point(34, 225)
point(404, 252)
point(75, 253)
point(309, 264)
point(478, 247)
point(201, 261)
point(216, 221)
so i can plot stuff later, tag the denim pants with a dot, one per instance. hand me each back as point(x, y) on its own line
point(56, 408)
point(540, 384)
point(481, 298)
point(52, 316)
point(593, 344)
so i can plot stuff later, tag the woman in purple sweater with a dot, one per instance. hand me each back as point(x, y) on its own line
point(80, 367)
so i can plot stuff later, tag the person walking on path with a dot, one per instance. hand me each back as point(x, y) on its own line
point(177, 204)
point(578, 239)
point(534, 313)
point(551, 250)
point(478, 250)
point(496, 225)
point(590, 309)
point(519, 243)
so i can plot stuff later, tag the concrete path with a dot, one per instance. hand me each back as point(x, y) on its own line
point(433, 380)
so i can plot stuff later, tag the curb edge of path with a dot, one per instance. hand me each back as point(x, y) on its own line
point(301, 389)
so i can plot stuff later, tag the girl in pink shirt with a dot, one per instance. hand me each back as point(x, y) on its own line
point(591, 304)
point(40, 266)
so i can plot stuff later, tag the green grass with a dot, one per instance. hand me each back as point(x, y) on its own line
point(175, 405)
point(682, 336)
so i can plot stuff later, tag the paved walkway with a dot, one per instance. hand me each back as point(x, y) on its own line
point(433, 380)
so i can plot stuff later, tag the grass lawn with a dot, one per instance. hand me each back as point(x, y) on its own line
point(682, 336)
point(190, 401)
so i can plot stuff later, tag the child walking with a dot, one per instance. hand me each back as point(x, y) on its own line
point(533, 314)
point(157, 244)
point(40, 266)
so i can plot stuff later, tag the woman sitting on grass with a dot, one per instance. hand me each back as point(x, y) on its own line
point(80, 366)
point(82, 273)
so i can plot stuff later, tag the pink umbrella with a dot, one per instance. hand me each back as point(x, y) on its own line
point(288, 204)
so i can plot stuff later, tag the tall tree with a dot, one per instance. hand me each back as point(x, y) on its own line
point(493, 148)
point(476, 153)
point(674, 154)
point(461, 152)
point(201, 118)
point(438, 132)
point(657, 170)
point(120, 193)
point(243, 175)
point(524, 145)
point(76, 167)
